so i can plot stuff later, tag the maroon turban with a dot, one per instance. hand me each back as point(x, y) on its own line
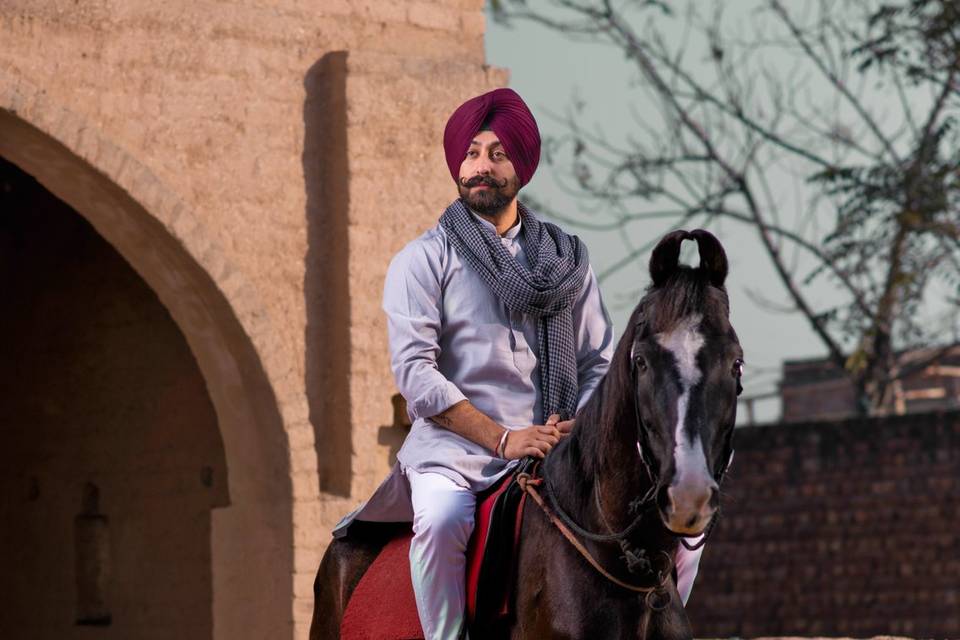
point(503, 112)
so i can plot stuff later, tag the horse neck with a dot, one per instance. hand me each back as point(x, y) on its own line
point(623, 479)
point(602, 455)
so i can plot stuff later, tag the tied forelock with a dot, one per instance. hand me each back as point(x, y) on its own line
point(688, 291)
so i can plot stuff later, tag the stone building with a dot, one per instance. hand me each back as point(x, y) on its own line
point(198, 202)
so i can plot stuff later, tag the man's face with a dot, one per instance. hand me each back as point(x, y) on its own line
point(488, 181)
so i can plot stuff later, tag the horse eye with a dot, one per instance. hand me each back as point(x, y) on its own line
point(738, 368)
point(640, 364)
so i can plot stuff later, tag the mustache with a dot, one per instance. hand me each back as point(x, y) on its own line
point(489, 181)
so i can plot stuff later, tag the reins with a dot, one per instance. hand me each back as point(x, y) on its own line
point(636, 505)
point(529, 485)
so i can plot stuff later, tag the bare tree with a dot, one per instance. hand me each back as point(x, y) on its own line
point(880, 214)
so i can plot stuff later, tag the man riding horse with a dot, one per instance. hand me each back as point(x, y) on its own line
point(498, 334)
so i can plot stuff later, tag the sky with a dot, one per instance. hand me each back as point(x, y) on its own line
point(552, 73)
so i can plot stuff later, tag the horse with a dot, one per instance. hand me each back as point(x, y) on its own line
point(638, 475)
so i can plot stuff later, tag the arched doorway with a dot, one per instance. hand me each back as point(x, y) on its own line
point(112, 459)
point(251, 540)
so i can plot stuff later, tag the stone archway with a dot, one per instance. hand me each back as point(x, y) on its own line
point(243, 360)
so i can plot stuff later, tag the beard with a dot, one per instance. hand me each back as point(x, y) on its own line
point(489, 202)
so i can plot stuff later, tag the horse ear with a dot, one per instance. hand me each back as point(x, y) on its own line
point(713, 259)
point(666, 256)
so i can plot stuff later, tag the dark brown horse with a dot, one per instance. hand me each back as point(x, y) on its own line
point(640, 471)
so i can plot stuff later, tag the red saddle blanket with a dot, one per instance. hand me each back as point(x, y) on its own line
point(382, 606)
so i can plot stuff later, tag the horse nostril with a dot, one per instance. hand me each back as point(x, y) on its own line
point(665, 500)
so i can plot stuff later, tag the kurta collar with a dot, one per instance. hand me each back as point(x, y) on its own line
point(510, 234)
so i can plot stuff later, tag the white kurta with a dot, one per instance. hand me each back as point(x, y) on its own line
point(452, 339)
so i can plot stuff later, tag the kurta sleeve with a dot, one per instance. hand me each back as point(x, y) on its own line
point(593, 332)
point(412, 300)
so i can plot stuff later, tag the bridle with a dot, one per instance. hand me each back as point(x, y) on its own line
point(635, 559)
point(655, 484)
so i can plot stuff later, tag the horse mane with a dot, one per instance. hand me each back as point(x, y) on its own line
point(676, 292)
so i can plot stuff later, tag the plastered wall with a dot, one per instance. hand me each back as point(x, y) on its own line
point(257, 164)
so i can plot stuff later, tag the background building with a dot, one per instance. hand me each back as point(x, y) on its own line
point(816, 390)
point(198, 202)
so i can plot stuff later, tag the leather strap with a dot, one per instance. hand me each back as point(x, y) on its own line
point(529, 485)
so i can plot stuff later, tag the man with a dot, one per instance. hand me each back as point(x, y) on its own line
point(495, 322)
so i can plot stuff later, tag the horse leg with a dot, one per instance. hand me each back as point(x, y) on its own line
point(530, 614)
point(343, 564)
point(541, 595)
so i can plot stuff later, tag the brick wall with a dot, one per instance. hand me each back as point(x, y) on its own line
point(837, 529)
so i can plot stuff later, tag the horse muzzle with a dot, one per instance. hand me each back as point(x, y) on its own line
point(690, 506)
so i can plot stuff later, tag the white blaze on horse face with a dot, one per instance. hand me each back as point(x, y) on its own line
point(685, 342)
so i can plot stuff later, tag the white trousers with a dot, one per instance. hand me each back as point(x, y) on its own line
point(443, 514)
point(443, 519)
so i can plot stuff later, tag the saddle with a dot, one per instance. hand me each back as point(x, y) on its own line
point(382, 606)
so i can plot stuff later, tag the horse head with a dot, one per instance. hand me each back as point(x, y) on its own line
point(685, 367)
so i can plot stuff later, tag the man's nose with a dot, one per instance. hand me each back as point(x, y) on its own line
point(483, 166)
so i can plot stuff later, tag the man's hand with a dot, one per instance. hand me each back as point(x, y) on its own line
point(536, 440)
point(563, 426)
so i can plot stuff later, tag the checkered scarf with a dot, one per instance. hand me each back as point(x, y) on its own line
point(546, 291)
